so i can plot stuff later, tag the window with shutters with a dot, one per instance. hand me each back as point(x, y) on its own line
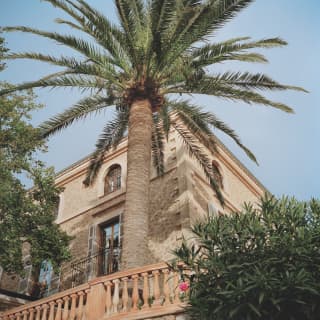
point(110, 243)
point(113, 179)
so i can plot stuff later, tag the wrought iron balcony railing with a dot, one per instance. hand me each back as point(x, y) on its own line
point(103, 262)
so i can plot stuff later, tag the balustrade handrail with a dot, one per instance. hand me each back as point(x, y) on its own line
point(54, 297)
point(142, 290)
point(129, 272)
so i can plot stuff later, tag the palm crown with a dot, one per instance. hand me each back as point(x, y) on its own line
point(156, 51)
point(159, 49)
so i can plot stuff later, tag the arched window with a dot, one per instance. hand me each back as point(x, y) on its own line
point(217, 174)
point(113, 179)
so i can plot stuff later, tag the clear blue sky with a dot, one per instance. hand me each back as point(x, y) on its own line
point(287, 146)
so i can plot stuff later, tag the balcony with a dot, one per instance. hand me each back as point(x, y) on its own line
point(141, 293)
point(103, 262)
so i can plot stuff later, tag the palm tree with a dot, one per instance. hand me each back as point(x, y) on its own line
point(160, 50)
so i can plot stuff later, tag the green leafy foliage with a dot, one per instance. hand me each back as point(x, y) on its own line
point(260, 263)
point(3, 50)
point(26, 216)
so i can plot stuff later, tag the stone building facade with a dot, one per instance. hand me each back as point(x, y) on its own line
point(93, 215)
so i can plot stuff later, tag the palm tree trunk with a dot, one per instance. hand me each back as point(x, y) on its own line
point(136, 213)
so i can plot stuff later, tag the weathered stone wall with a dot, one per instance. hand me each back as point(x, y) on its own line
point(76, 198)
point(165, 220)
point(9, 281)
point(177, 200)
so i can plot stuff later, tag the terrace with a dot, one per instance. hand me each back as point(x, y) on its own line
point(140, 293)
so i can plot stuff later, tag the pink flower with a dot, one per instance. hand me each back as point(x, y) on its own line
point(183, 286)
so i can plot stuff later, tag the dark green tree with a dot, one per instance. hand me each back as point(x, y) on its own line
point(261, 263)
point(26, 215)
point(158, 51)
point(3, 50)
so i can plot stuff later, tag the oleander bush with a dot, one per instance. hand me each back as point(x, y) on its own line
point(260, 263)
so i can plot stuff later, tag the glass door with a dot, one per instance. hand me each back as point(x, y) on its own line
point(111, 250)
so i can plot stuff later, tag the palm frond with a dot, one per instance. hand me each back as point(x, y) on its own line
point(234, 49)
point(157, 145)
point(193, 119)
point(72, 80)
point(109, 36)
point(80, 110)
point(221, 90)
point(165, 118)
point(68, 23)
point(61, 4)
point(207, 120)
point(196, 152)
point(102, 67)
point(162, 14)
point(86, 48)
point(223, 127)
point(128, 24)
point(111, 135)
point(249, 81)
point(205, 19)
point(137, 11)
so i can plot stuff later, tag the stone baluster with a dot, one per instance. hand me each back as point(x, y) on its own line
point(51, 312)
point(65, 312)
point(73, 306)
point(176, 287)
point(80, 305)
point(31, 312)
point(166, 287)
point(12, 317)
point(116, 298)
point(108, 284)
point(135, 292)
point(25, 315)
point(146, 295)
point(59, 310)
point(86, 308)
point(125, 296)
point(38, 312)
point(45, 308)
point(156, 287)
point(18, 316)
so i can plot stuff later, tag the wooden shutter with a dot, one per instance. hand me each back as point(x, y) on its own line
point(92, 248)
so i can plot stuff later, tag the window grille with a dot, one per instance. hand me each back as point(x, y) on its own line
point(113, 179)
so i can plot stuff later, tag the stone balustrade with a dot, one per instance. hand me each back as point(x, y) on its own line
point(133, 294)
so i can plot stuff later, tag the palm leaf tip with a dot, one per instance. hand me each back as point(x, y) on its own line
point(250, 154)
point(296, 88)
